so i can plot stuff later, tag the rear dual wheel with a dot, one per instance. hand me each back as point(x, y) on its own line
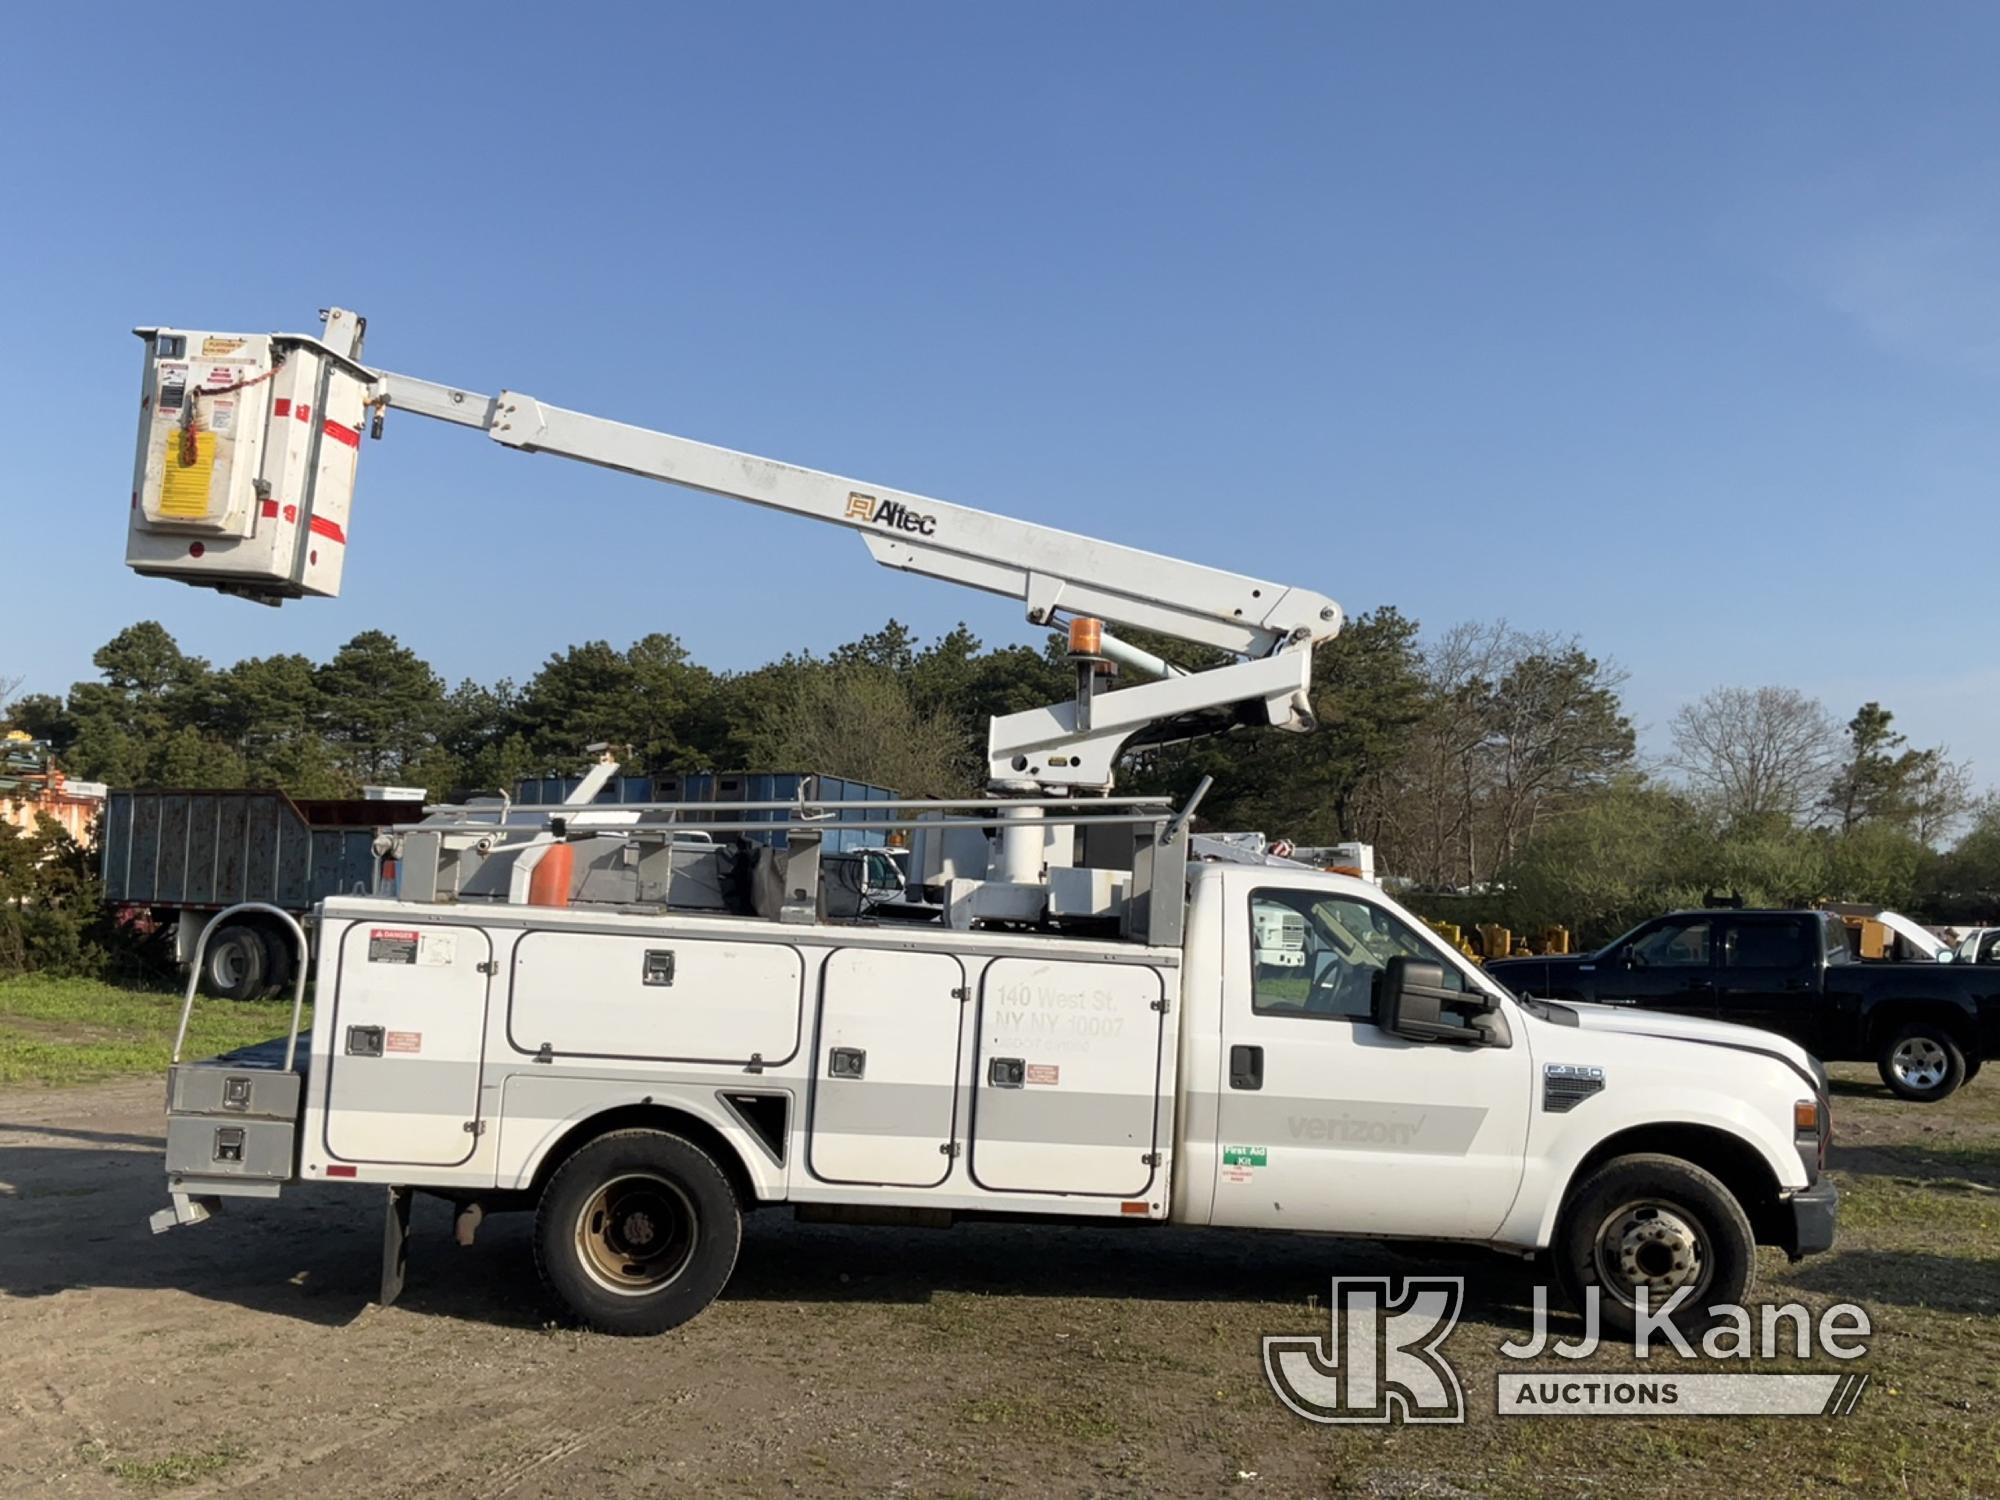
point(248, 962)
point(234, 964)
point(637, 1232)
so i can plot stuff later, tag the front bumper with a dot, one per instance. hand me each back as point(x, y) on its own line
point(1809, 1216)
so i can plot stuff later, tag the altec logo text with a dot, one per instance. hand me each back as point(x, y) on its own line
point(890, 513)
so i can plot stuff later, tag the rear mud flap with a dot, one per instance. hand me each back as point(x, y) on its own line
point(395, 1244)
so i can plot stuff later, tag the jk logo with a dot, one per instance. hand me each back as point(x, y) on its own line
point(1380, 1362)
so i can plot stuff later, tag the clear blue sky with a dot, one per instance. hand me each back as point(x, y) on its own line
point(1675, 327)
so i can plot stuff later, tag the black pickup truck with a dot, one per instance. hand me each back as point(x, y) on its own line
point(1927, 1026)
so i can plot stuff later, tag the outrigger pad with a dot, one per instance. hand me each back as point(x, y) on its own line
point(395, 1244)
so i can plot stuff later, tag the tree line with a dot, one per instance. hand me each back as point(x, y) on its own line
point(1496, 770)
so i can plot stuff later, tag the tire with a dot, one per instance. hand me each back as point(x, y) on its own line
point(1923, 1064)
point(1972, 1065)
point(1660, 1219)
point(637, 1232)
point(232, 968)
point(280, 961)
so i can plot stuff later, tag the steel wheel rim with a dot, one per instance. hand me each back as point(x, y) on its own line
point(229, 965)
point(1919, 1062)
point(636, 1234)
point(1655, 1245)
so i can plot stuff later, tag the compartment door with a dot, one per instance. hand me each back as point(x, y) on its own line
point(409, 1030)
point(1066, 1097)
point(885, 1082)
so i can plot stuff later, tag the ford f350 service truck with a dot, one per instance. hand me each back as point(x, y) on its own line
point(641, 1038)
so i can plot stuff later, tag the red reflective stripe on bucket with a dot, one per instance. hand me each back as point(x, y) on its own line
point(347, 435)
point(323, 527)
point(282, 407)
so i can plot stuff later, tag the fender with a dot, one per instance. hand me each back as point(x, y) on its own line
point(1558, 1144)
point(541, 1112)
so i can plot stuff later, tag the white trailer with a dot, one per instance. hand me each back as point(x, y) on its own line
point(1090, 1025)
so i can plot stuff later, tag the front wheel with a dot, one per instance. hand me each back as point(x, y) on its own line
point(637, 1232)
point(1923, 1064)
point(1657, 1223)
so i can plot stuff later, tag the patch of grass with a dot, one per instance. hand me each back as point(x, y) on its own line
point(67, 1031)
point(1081, 1417)
point(165, 1473)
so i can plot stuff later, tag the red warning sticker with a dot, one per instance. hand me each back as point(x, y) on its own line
point(1044, 1073)
point(403, 1041)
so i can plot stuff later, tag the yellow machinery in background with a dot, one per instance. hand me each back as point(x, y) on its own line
point(1490, 940)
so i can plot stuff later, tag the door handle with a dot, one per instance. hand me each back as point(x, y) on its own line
point(1246, 1067)
point(847, 1062)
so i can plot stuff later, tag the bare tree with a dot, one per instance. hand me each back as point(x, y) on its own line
point(1431, 807)
point(1518, 723)
point(1757, 752)
point(1940, 795)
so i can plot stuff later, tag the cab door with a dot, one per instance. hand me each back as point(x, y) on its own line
point(1327, 1122)
point(1769, 975)
point(1667, 966)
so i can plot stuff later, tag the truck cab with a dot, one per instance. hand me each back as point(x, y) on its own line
point(1367, 1079)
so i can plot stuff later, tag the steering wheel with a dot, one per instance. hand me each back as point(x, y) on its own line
point(1342, 989)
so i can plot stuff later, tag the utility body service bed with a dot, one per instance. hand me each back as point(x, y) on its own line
point(976, 1070)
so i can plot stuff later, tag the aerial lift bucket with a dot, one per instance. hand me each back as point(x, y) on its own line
point(244, 477)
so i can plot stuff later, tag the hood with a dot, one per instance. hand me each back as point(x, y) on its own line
point(1919, 938)
point(1673, 1028)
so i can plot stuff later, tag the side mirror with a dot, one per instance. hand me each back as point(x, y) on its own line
point(1413, 1001)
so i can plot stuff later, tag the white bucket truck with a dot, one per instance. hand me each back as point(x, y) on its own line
point(641, 1038)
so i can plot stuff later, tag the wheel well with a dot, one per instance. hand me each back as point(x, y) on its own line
point(1893, 1018)
point(648, 1117)
point(1733, 1161)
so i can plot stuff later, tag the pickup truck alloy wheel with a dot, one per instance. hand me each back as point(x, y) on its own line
point(1923, 1063)
point(637, 1231)
point(1658, 1222)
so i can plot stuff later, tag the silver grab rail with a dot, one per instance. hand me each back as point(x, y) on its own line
point(298, 984)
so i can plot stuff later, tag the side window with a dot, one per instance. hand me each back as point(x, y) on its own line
point(1837, 951)
point(1771, 943)
point(1673, 945)
point(1323, 956)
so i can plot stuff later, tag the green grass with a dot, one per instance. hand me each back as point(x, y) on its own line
point(56, 1032)
point(169, 1472)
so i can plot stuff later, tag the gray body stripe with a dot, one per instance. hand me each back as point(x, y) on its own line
point(1053, 1116)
